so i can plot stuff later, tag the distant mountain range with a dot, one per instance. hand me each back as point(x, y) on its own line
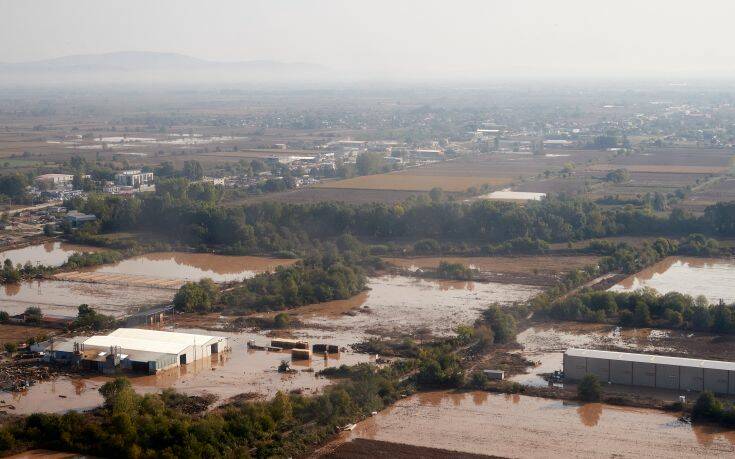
point(151, 67)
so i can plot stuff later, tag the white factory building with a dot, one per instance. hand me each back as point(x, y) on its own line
point(646, 370)
point(140, 350)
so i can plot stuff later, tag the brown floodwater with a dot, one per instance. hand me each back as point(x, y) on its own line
point(63, 297)
point(520, 264)
point(712, 277)
point(400, 304)
point(49, 253)
point(241, 371)
point(522, 426)
point(193, 266)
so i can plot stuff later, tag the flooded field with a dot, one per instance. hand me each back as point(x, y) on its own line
point(532, 270)
point(711, 277)
point(48, 254)
point(399, 304)
point(63, 297)
point(241, 371)
point(546, 343)
point(521, 426)
point(188, 267)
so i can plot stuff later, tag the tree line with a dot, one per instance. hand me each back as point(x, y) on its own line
point(176, 212)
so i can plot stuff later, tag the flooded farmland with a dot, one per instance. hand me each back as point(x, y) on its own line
point(400, 304)
point(52, 253)
point(522, 426)
point(711, 277)
point(63, 297)
point(193, 266)
point(531, 270)
point(242, 371)
point(545, 344)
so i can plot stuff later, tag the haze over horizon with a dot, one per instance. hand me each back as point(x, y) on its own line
point(410, 39)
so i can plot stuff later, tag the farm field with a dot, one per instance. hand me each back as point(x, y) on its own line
point(720, 190)
point(499, 169)
point(313, 194)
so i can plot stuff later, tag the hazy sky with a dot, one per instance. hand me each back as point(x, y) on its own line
point(411, 38)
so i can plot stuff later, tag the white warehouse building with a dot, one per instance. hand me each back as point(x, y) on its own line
point(140, 350)
point(648, 370)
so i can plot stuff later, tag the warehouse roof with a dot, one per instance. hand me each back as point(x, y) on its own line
point(136, 339)
point(164, 336)
point(650, 358)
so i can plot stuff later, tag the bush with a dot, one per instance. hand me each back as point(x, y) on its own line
point(33, 315)
point(196, 296)
point(11, 347)
point(589, 389)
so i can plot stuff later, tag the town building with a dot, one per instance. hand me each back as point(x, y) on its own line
point(134, 178)
point(647, 370)
point(77, 219)
point(55, 180)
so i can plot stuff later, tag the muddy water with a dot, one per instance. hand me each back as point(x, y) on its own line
point(225, 375)
point(521, 264)
point(520, 426)
point(711, 277)
point(48, 253)
point(398, 304)
point(193, 266)
point(63, 298)
point(545, 344)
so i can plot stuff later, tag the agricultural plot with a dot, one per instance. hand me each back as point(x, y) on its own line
point(495, 170)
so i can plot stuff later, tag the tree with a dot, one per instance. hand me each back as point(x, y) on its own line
point(193, 170)
point(368, 163)
point(10, 348)
point(33, 315)
point(196, 296)
point(436, 194)
point(589, 389)
point(642, 314)
point(707, 407)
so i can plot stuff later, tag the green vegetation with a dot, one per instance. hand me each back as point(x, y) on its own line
point(618, 176)
point(708, 408)
point(12, 274)
point(317, 278)
point(83, 260)
point(33, 315)
point(173, 214)
point(454, 271)
point(173, 425)
point(88, 318)
point(197, 296)
point(646, 308)
point(589, 389)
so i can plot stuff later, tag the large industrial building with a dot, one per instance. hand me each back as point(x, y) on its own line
point(139, 350)
point(651, 370)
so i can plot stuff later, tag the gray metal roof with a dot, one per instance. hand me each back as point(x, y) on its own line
point(651, 358)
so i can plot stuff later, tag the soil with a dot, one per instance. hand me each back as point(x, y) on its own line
point(366, 448)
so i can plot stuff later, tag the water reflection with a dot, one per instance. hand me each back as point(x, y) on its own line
point(52, 253)
point(711, 277)
point(193, 266)
point(590, 413)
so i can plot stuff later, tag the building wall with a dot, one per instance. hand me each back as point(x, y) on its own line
point(691, 378)
point(715, 380)
point(644, 374)
point(621, 372)
point(650, 375)
point(667, 376)
point(599, 368)
point(574, 367)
